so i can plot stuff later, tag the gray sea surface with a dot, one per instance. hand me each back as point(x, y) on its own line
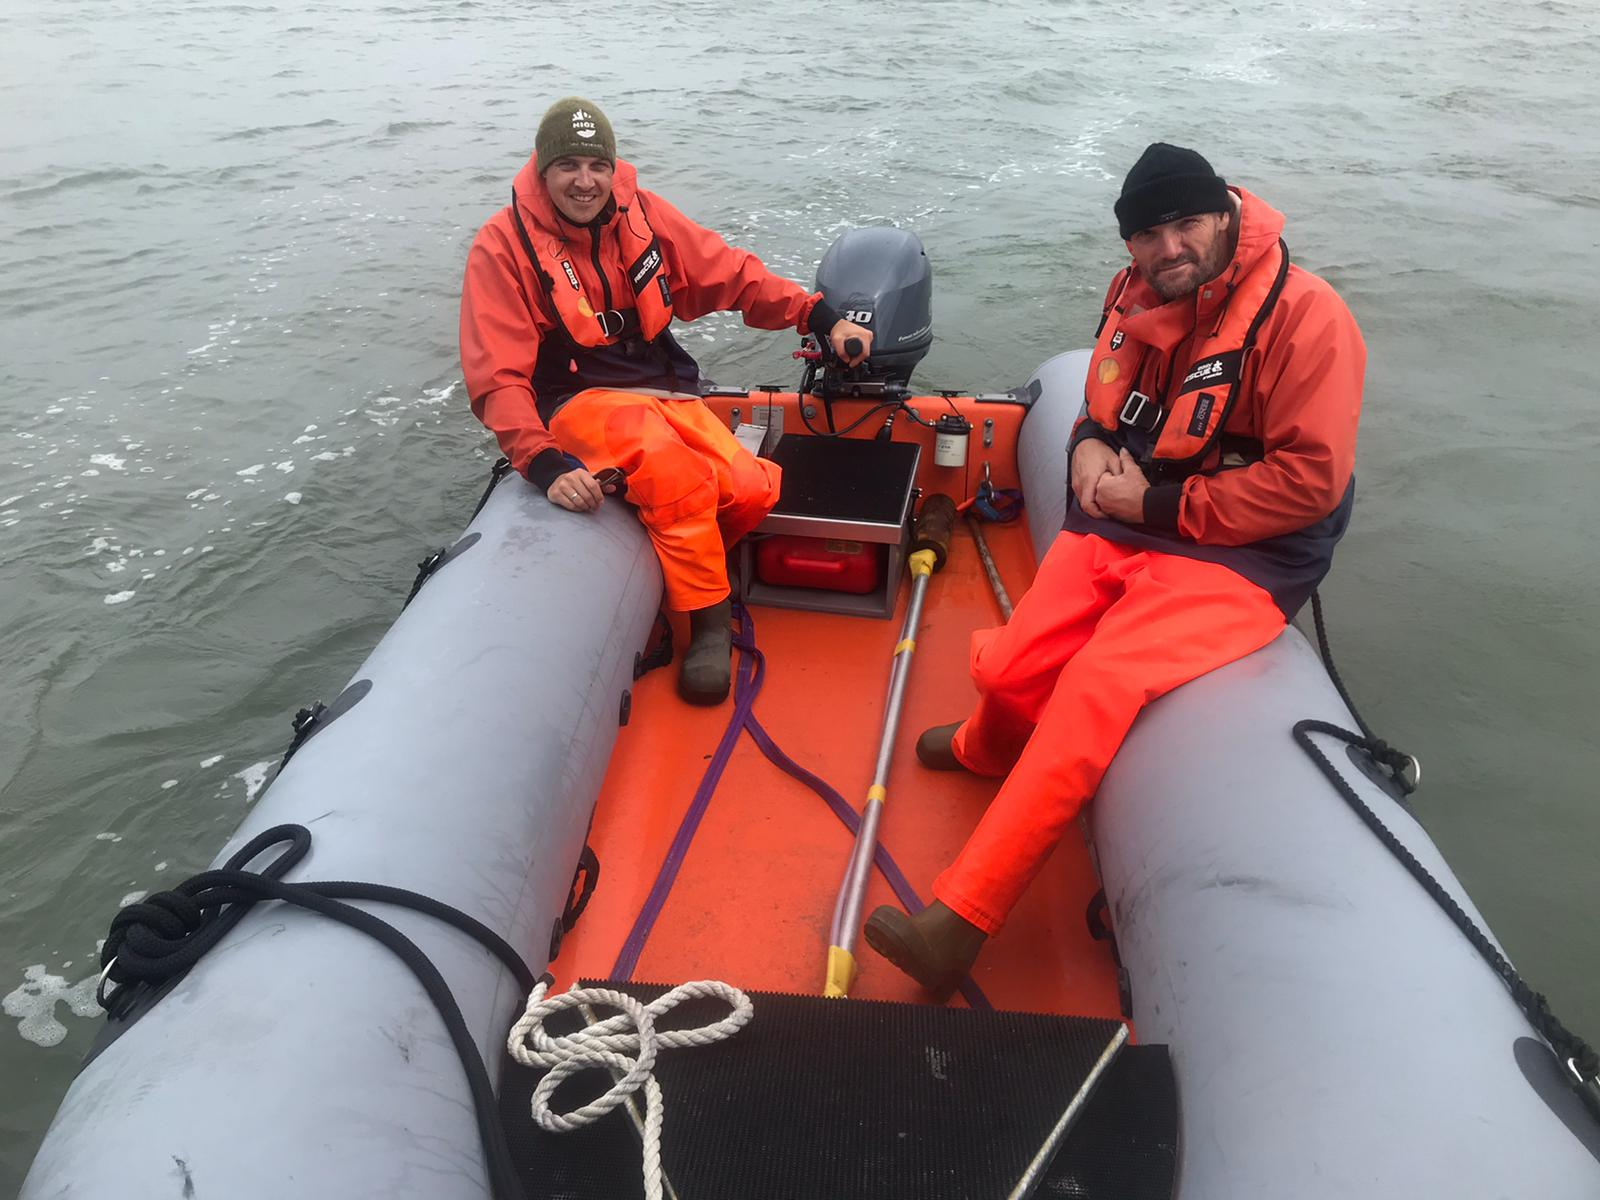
point(231, 242)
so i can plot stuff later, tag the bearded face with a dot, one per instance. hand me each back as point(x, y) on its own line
point(1178, 256)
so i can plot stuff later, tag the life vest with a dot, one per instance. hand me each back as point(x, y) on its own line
point(587, 324)
point(1185, 428)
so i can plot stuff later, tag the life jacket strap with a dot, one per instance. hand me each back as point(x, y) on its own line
point(1141, 412)
point(619, 323)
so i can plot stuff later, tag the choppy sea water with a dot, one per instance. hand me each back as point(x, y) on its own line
point(231, 238)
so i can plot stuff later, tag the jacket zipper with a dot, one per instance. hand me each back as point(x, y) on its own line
point(594, 248)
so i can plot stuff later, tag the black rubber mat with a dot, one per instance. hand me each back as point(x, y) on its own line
point(846, 1099)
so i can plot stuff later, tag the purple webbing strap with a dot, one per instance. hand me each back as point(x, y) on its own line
point(744, 696)
point(752, 673)
point(881, 858)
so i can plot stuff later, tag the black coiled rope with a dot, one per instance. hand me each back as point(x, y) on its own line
point(157, 940)
point(1403, 768)
point(1581, 1060)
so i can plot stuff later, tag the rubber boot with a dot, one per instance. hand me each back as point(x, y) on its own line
point(704, 674)
point(936, 947)
point(935, 749)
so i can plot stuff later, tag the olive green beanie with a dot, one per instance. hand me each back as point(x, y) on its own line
point(574, 127)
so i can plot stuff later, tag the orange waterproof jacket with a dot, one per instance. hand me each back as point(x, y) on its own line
point(518, 360)
point(1273, 493)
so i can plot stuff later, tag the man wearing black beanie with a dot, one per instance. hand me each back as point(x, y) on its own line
point(1167, 185)
point(1210, 479)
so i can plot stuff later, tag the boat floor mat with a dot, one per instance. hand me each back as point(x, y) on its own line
point(864, 1098)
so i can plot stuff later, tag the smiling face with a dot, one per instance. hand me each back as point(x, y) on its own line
point(579, 186)
point(1178, 256)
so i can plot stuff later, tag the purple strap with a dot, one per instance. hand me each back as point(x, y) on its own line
point(744, 696)
point(752, 673)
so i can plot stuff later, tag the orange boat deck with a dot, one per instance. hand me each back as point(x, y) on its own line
point(754, 898)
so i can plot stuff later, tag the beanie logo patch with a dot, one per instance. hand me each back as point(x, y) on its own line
point(572, 276)
point(1171, 216)
point(583, 125)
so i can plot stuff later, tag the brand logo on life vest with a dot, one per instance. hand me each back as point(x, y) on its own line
point(583, 125)
point(1117, 340)
point(666, 290)
point(1202, 414)
point(645, 267)
point(572, 276)
point(1219, 370)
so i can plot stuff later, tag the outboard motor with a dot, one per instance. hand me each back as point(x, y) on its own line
point(879, 278)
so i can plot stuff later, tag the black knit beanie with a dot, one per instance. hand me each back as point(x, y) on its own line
point(574, 127)
point(1166, 183)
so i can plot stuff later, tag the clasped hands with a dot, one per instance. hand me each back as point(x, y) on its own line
point(1108, 483)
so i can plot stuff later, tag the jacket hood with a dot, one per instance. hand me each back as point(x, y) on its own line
point(1260, 227)
point(537, 206)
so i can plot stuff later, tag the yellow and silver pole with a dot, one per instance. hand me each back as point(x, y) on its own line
point(930, 546)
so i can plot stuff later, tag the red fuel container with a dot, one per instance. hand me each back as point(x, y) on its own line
point(832, 564)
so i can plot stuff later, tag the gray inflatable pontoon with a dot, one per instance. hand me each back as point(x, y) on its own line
point(1333, 1034)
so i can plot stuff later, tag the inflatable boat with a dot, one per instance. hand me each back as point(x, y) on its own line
point(1317, 1024)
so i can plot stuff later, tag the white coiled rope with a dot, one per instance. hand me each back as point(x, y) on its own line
point(625, 1044)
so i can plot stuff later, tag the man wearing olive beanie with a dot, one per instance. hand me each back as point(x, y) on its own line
point(1209, 481)
point(568, 357)
point(574, 128)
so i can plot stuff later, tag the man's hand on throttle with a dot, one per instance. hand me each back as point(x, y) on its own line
point(842, 332)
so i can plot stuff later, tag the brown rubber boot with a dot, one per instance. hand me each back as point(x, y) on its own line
point(704, 675)
point(935, 749)
point(936, 947)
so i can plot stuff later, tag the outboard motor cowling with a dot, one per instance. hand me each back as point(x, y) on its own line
point(880, 278)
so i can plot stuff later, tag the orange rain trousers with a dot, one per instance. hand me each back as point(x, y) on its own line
point(697, 490)
point(1104, 629)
